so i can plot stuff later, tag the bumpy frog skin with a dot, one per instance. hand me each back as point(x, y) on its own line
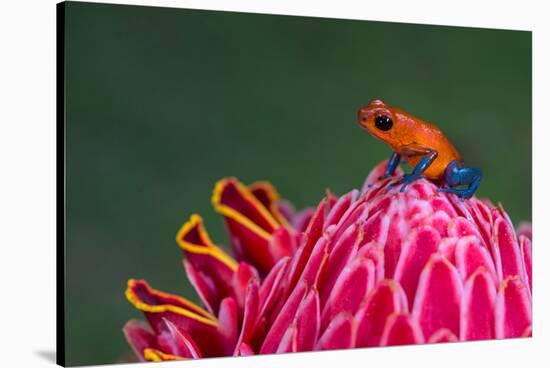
point(421, 145)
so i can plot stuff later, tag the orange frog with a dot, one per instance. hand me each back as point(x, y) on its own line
point(421, 145)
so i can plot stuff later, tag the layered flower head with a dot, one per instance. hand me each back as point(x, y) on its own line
point(374, 267)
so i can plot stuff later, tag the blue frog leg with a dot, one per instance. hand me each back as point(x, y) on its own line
point(428, 156)
point(456, 174)
point(395, 159)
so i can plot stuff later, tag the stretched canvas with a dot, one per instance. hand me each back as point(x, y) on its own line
point(235, 184)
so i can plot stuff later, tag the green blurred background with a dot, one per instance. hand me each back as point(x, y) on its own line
point(163, 102)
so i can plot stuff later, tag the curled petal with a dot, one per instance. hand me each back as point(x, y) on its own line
point(513, 308)
point(339, 334)
point(437, 301)
point(203, 286)
point(212, 269)
point(417, 249)
point(386, 299)
point(266, 193)
point(477, 307)
point(249, 222)
point(202, 326)
point(155, 355)
point(401, 329)
point(442, 335)
point(140, 336)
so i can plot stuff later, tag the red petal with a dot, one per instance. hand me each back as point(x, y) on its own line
point(351, 287)
point(513, 308)
point(340, 254)
point(525, 247)
point(241, 278)
point(288, 341)
point(460, 227)
point(440, 203)
point(437, 301)
point(416, 251)
point(447, 247)
point(283, 320)
point(525, 229)
point(211, 265)
point(271, 287)
point(155, 355)
point(442, 335)
point(250, 223)
point(392, 249)
point(188, 317)
point(282, 243)
point(228, 324)
point(508, 249)
point(301, 220)
point(176, 342)
point(477, 321)
point(266, 193)
point(338, 335)
point(140, 336)
point(470, 255)
point(387, 298)
point(204, 286)
point(340, 207)
point(307, 322)
point(401, 329)
point(374, 252)
point(251, 312)
point(440, 221)
point(376, 228)
point(311, 236)
point(243, 350)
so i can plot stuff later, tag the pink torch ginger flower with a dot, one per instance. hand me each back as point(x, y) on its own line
point(374, 267)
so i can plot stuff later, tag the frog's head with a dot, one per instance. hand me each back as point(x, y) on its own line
point(378, 119)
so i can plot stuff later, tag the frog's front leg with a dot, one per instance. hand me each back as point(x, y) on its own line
point(428, 156)
point(394, 160)
point(456, 174)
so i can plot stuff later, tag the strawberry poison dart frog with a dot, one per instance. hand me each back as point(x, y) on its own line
point(421, 145)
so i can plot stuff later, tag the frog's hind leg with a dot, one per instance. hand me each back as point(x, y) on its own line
point(456, 174)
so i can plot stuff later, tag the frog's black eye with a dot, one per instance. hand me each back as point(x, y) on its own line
point(383, 122)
